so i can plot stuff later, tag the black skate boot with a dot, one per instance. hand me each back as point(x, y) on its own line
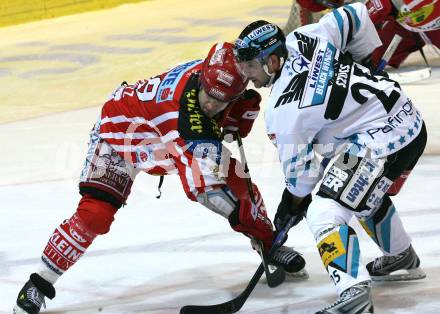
point(291, 261)
point(354, 300)
point(31, 296)
point(403, 266)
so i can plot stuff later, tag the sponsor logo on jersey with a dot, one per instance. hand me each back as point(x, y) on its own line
point(194, 112)
point(165, 93)
point(364, 177)
point(376, 195)
point(316, 68)
point(393, 121)
point(343, 74)
point(193, 123)
point(172, 78)
point(321, 74)
point(143, 156)
point(335, 179)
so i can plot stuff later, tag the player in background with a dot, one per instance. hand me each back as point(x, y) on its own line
point(169, 124)
point(417, 21)
point(324, 103)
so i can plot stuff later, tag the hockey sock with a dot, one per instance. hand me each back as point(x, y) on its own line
point(70, 240)
point(67, 244)
point(386, 228)
point(340, 254)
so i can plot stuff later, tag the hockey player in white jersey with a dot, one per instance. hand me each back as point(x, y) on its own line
point(328, 112)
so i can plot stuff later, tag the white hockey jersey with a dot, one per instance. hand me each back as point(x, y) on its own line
point(324, 100)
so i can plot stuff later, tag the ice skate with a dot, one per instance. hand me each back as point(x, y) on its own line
point(31, 297)
point(403, 266)
point(291, 261)
point(354, 300)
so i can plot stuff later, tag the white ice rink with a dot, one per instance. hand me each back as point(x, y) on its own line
point(163, 254)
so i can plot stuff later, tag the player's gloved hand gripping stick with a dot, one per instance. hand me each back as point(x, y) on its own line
point(403, 77)
point(278, 276)
point(237, 303)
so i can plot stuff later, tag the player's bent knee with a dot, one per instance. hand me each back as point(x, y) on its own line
point(102, 195)
point(97, 215)
point(324, 213)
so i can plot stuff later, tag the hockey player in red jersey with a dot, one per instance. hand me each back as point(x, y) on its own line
point(170, 123)
point(416, 21)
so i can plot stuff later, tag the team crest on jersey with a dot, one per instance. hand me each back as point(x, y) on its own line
point(312, 69)
point(144, 154)
point(300, 64)
point(299, 70)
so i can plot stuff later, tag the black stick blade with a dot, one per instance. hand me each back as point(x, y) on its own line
point(227, 307)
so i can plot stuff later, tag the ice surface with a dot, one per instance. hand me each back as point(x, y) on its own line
point(163, 254)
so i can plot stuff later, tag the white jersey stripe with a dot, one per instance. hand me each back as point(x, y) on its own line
point(122, 135)
point(140, 120)
point(123, 119)
point(164, 117)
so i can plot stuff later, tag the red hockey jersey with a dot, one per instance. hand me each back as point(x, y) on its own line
point(157, 126)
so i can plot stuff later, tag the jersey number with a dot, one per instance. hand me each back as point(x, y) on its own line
point(335, 277)
point(388, 101)
point(148, 89)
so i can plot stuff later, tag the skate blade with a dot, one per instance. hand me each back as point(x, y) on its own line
point(292, 277)
point(18, 310)
point(297, 276)
point(402, 275)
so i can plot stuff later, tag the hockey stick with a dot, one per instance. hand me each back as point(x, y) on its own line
point(403, 77)
point(278, 276)
point(388, 53)
point(410, 76)
point(237, 303)
point(414, 75)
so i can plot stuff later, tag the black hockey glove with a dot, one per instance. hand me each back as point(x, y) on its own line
point(287, 209)
point(367, 62)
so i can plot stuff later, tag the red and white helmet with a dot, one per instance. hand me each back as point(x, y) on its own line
point(221, 77)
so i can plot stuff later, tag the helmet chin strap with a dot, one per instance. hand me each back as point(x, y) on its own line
point(271, 75)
